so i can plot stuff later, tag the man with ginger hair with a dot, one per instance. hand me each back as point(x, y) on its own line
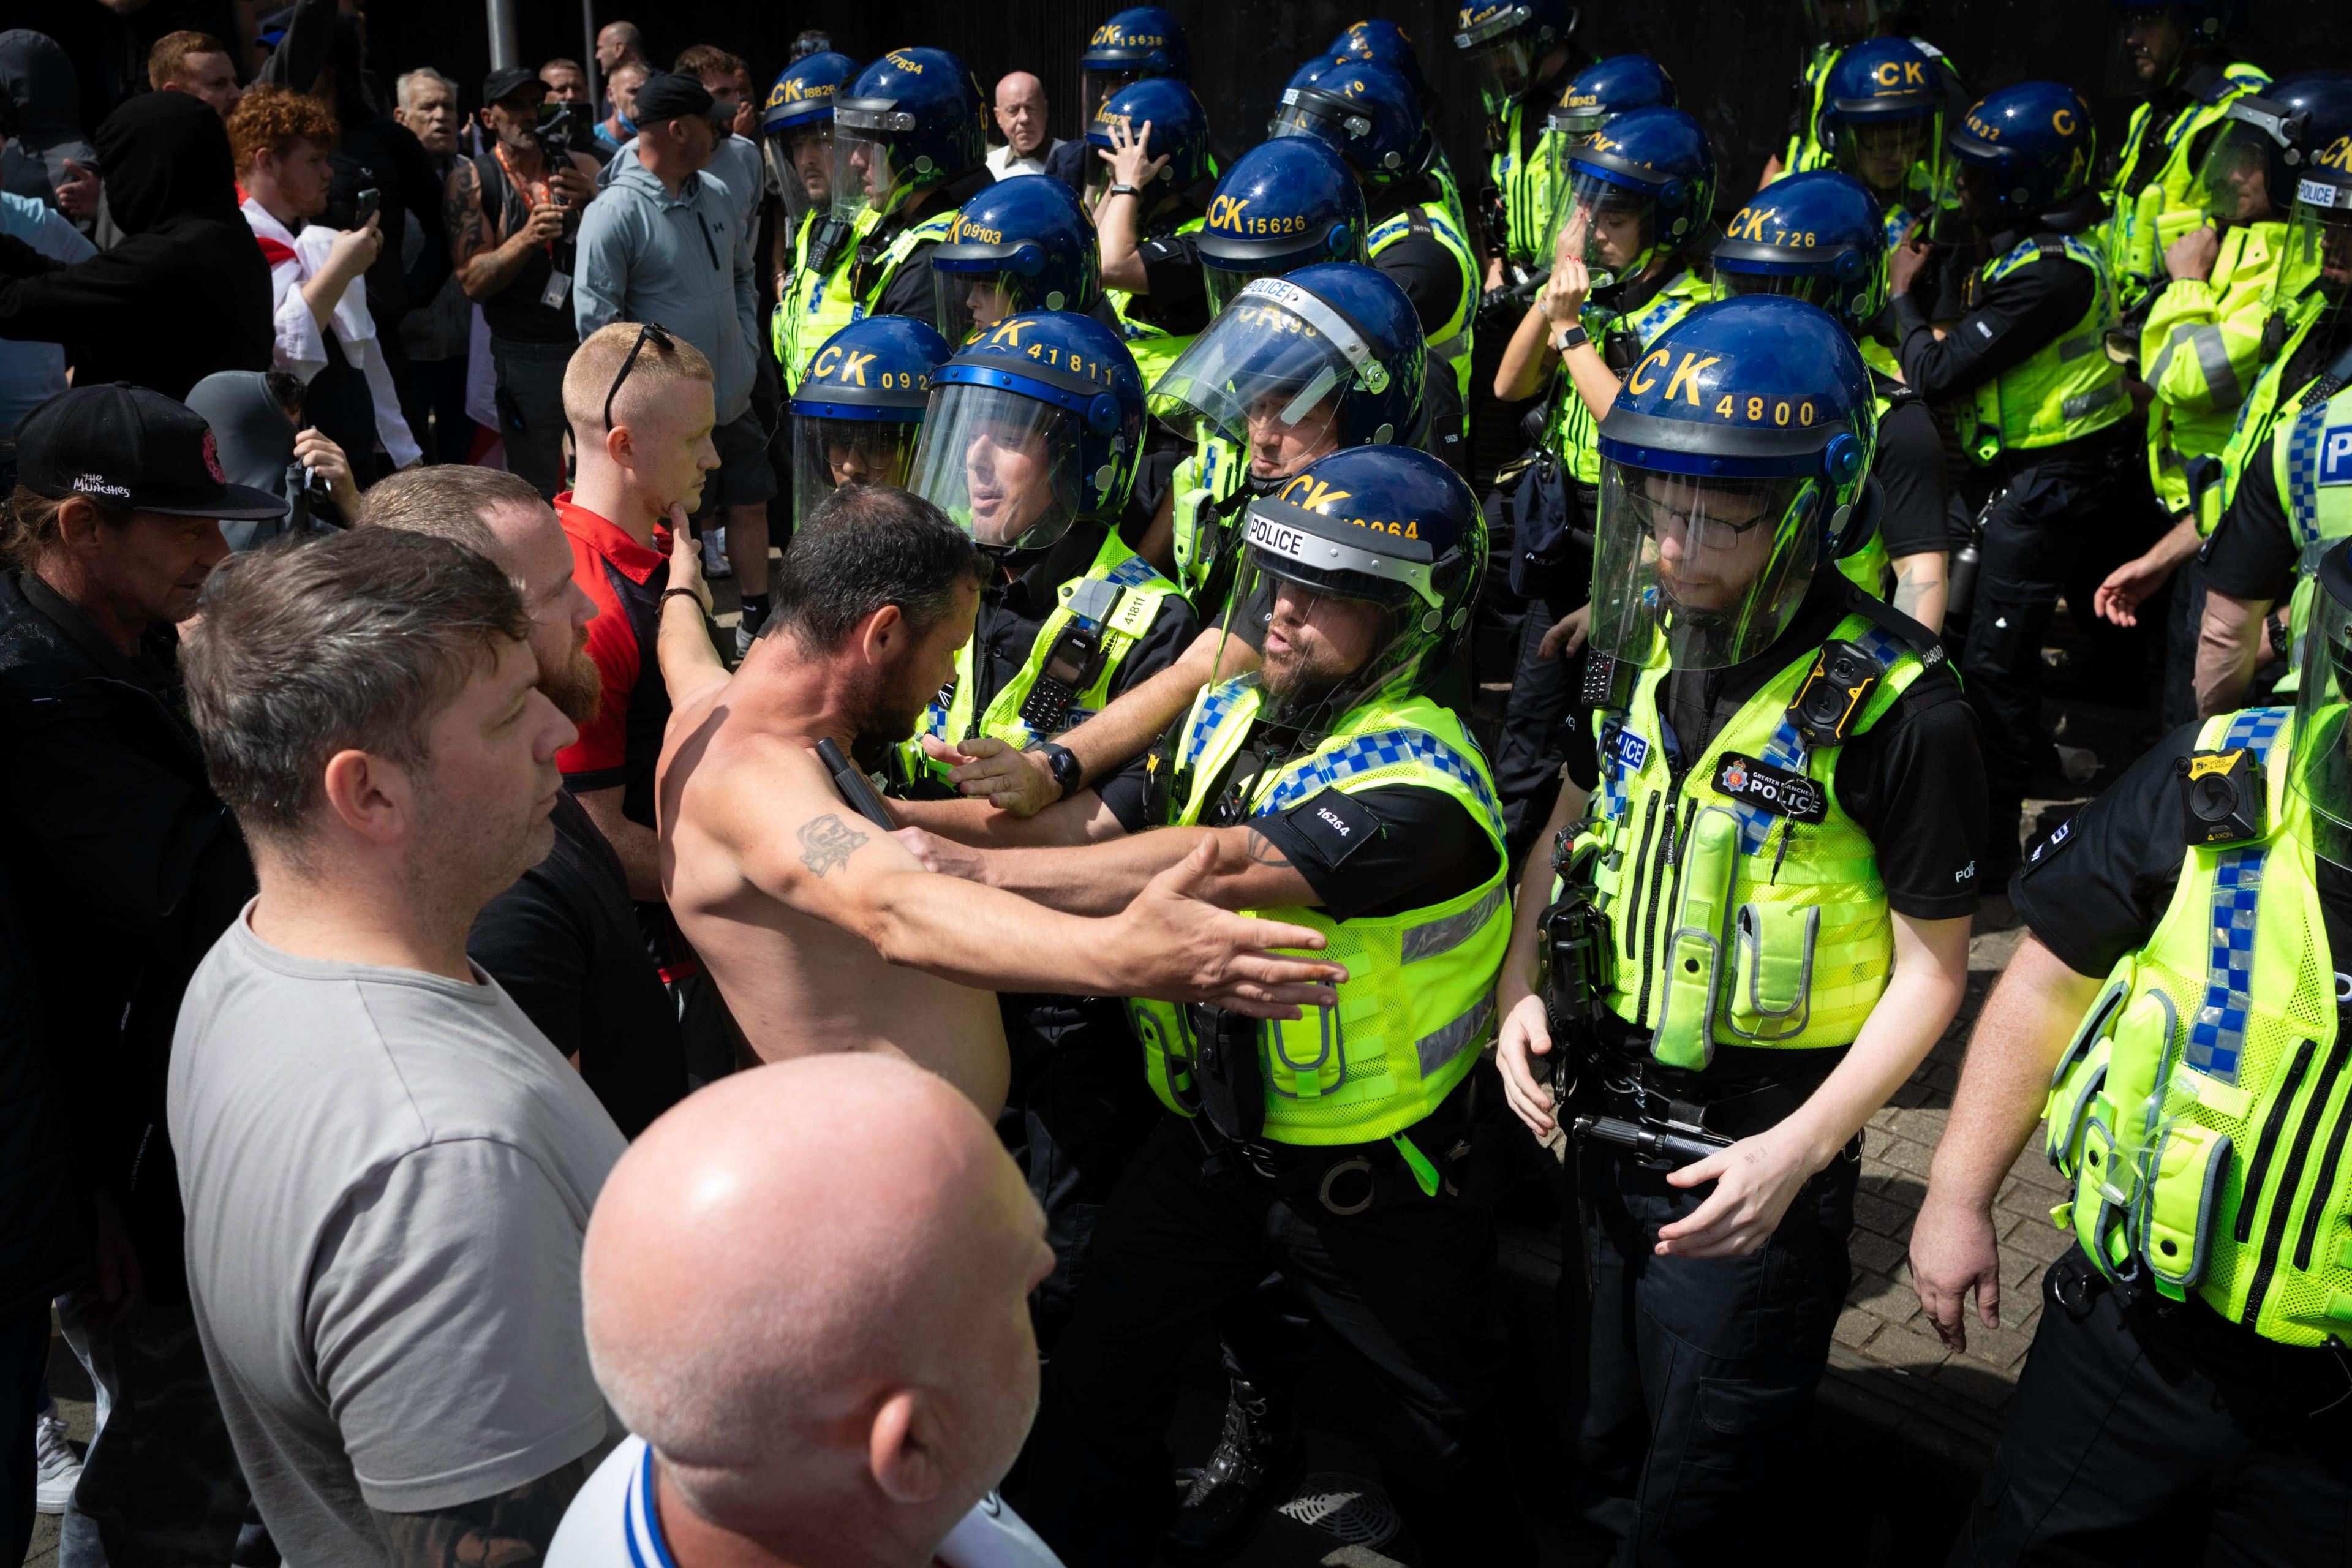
point(818, 1366)
point(197, 64)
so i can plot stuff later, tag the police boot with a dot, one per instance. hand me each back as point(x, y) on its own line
point(1259, 1459)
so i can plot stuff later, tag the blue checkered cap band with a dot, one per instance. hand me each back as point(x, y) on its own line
point(2217, 1035)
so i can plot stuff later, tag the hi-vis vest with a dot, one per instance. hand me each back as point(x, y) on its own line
point(1575, 435)
point(814, 306)
point(1745, 906)
point(2141, 223)
point(2068, 388)
point(1418, 1004)
point(1870, 568)
point(2199, 348)
point(869, 277)
point(1451, 346)
point(2202, 1109)
point(1525, 179)
point(2250, 436)
point(2310, 458)
point(1154, 348)
point(1202, 536)
point(1114, 604)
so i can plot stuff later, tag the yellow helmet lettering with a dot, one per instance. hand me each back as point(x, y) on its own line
point(913, 67)
point(854, 364)
point(1685, 377)
point(1889, 73)
point(1318, 494)
point(2338, 156)
point(827, 357)
point(2062, 123)
point(1008, 331)
point(1644, 375)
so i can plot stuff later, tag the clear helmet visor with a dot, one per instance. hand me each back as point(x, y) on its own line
point(1701, 574)
point(970, 303)
point(1096, 85)
point(800, 162)
point(1813, 288)
point(1506, 68)
point(866, 176)
point(1325, 641)
point(828, 454)
point(1222, 284)
point(1612, 228)
point(1003, 466)
point(1900, 159)
point(1321, 116)
point(2317, 260)
point(1264, 376)
point(2234, 182)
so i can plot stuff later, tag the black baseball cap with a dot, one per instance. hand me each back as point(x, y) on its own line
point(506, 79)
point(672, 95)
point(132, 447)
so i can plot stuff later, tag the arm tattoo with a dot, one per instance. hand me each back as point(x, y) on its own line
point(461, 213)
point(511, 1529)
point(1261, 850)
point(828, 842)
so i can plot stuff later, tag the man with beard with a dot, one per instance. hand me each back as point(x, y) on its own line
point(824, 933)
point(563, 940)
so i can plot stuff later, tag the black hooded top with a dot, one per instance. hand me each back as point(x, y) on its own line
point(186, 294)
point(37, 76)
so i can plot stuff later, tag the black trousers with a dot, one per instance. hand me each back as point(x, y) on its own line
point(1537, 717)
point(2158, 1433)
point(1408, 1287)
point(1701, 1371)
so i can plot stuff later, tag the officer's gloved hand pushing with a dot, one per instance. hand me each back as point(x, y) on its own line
point(1753, 923)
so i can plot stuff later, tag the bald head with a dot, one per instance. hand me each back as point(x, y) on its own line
point(617, 43)
point(1020, 112)
point(805, 1288)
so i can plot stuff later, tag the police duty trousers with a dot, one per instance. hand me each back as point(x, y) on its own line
point(2156, 1433)
point(1701, 1371)
point(1408, 1287)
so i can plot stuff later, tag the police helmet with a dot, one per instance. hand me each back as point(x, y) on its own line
point(2202, 21)
point(1386, 44)
point(2024, 154)
point(1367, 112)
point(1138, 43)
point(1604, 91)
point(912, 121)
point(1179, 132)
point(1633, 192)
point(799, 115)
point(855, 414)
point(1335, 345)
point(1814, 237)
point(1506, 41)
point(1283, 205)
point(2268, 142)
point(1883, 119)
point(1734, 465)
point(1022, 244)
point(1388, 527)
point(1034, 425)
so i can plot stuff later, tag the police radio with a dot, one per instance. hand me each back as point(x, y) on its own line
point(2225, 797)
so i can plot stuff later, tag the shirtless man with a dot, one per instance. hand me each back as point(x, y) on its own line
point(823, 932)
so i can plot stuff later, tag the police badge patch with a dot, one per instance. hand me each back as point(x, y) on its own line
point(1758, 784)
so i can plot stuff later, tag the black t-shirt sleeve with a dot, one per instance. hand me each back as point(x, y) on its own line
point(2095, 889)
point(1909, 468)
point(1583, 751)
point(1178, 294)
point(2252, 555)
point(1430, 278)
point(1377, 851)
point(909, 292)
point(2033, 306)
point(1128, 791)
point(1915, 782)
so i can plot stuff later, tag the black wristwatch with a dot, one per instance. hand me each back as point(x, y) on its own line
point(2279, 634)
point(1124, 189)
point(1570, 337)
point(1061, 761)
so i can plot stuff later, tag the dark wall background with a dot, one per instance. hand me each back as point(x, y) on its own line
point(1733, 59)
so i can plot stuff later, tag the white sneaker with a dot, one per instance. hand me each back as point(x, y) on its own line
point(715, 563)
point(56, 1467)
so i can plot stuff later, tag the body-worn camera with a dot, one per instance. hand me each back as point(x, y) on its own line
point(2223, 797)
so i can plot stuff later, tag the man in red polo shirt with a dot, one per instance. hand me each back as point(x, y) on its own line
point(639, 404)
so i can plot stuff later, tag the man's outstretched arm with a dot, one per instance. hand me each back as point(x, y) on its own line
point(1243, 870)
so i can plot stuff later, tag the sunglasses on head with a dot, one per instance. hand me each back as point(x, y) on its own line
point(663, 344)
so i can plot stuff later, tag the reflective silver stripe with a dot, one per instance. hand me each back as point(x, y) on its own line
point(2213, 359)
point(1445, 935)
point(2097, 397)
point(2075, 348)
point(1435, 1050)
point(2155, 376)
point(1446, 348)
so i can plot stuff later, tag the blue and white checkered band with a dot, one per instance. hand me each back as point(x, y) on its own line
point(2218, 1033)
point(1219, 702)
point(1788, 749)
point(2302, 496)
point(1654, 317)
point(935, 717)
point(1381, 749)
point(1622, 753)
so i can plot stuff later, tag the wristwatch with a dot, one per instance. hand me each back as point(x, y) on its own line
point(1572, 336)
point(1063, 763)
point(1123, 189)
point(2279, 634)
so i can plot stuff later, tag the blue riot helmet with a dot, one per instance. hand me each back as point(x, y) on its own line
point(912, 121)
point(1138, 43)
point(1632, 193)
point(856, 413)
point(1180, 132)
point(1734, 467)
point(2318, 252)
point(1034, 425)
point(1022, 244)
point(1389, 528)
point(2022, 155)
point(1327, 357)
point(796, 126)
point(2157, 38)
point(1367, 112)
point(1602, 91)
point(1385, 43)
point(2268, 141)
point(1883, 121)
point(1283, 205)
point(1508, 41)
point(1814, 237)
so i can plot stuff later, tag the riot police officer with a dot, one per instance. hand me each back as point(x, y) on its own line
point(1884, 102)
point(1138, 44)
point(2177, 52)
point(1385, 43)
point(1371, 115)
point(1607, 88)
point(1021, 244)
point(1631, 227)
point(1523, 54)
point(1030, 442)
point(1149, 191)
point(1757, 923)
point(1820, 238)
point(2172, 1013)
point(2041, 411)
point(796, 125)
point(860, 406)
point(910, 145)
point(1341, 1147)
point(1832, 27)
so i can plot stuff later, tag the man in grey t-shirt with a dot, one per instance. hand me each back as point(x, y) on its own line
point(387, 1169)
